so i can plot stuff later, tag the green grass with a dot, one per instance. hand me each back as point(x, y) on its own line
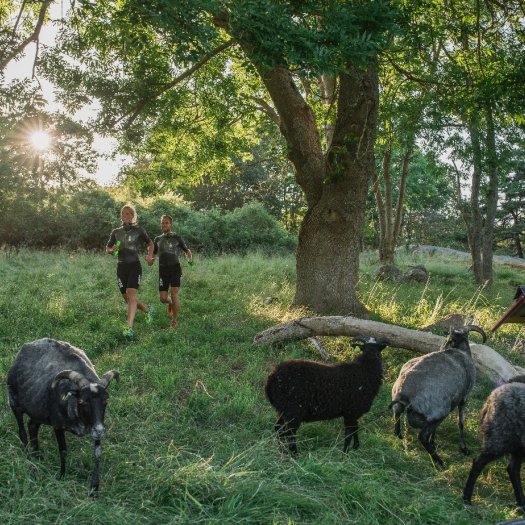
point(190, 435)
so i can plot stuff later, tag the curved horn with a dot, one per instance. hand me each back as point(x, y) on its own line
point(475, 328)
point(108, 376)
point(73, 376)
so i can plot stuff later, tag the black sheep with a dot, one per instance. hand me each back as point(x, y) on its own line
point(301, 390)
point(55, 384)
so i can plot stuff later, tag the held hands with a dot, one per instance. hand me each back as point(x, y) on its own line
point(150, 259)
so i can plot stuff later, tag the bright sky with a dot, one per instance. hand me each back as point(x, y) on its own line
point(108, 168)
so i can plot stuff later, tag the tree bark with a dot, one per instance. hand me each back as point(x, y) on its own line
point(487, 360)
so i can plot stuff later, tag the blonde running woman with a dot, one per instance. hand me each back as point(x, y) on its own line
point(127, 241)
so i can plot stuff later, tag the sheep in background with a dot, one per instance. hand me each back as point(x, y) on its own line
point(55, 384)
point(301, 390)
point(431, 386)
point(502, 432)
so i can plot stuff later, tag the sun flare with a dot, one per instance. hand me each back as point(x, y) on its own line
point(40, 140)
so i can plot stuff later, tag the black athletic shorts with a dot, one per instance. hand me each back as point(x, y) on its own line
point(169, 276)
point(128, 275)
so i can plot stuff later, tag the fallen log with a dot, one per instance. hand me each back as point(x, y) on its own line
point(488, 361)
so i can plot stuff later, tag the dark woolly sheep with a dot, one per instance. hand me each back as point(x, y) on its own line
point(55, 384)
point(502, 432)
point(431, 386)
point(301, 390)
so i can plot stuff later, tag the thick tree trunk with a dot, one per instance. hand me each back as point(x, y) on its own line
point(328, 249)
point(335, 185)
point(488, 361)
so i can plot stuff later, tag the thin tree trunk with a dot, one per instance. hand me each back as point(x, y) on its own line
point(401, 197)
point(475, 230)
point(491, 199)
point(386, 248)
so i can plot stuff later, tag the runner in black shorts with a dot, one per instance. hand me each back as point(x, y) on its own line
point(168, 246)
point(127, 240)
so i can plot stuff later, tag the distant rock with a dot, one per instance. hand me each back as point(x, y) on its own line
point(418, 274)
point(388, 272)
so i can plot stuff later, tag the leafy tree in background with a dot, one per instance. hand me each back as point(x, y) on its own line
point(511, 215)
point(471, 110)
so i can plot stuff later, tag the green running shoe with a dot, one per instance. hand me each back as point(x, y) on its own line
point(128, 332)
point(149, 314)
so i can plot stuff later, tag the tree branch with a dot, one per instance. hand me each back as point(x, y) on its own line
point(33, 37)
point(134, 112)
point(263, 106)
point(486, 358)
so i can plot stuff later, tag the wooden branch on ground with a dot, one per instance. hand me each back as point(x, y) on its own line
point(487, 360)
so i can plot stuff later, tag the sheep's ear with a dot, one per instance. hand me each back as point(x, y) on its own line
point(69, 399)
point(72, 407)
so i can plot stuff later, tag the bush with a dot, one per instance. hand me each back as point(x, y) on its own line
point(84, 219)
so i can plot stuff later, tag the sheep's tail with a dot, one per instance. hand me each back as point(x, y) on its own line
point(399, 401)
point(398, 405)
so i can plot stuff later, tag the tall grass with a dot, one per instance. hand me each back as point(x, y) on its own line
point(190, 435)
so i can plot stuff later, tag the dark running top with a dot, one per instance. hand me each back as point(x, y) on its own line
point(131, 238)
point(168, 246)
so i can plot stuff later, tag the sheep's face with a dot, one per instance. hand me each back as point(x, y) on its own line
point(370, 344)
point(91, 406)
point(456, 339)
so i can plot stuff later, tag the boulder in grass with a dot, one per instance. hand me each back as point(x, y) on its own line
point(388, 272)
point(418, 274)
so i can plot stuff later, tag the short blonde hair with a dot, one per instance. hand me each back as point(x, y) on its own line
point(131, 208)
point(169, 217)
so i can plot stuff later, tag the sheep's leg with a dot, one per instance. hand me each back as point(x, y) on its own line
point(477, 466)
point(33, 427)
point(62, 450)
point(461, 418)
point(513, 470)
point(290, 432)
point(96, 469)
point(21, 428)
point(351, 433)
point(280, 429)
point(397, 409)
point(427, 440)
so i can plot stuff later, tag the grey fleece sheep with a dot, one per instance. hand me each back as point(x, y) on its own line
point(55, 384)
point(302, 390)
point(502, 432)
point(431, 386)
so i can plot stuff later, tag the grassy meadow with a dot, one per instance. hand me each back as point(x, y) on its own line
point(189, 432)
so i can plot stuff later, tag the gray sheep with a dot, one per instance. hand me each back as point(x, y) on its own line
point(301, 390)
point(431, 386)
point(55, 384)
point(502, 432)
